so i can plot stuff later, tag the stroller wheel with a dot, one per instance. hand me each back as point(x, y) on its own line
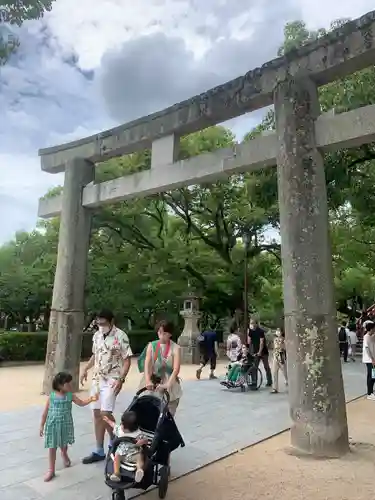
point(118, 495)
point(163, 481)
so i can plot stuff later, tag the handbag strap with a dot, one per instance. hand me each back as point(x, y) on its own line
point(164, 356)
point(156, 353)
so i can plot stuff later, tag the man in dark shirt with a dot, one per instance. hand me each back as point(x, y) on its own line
point(258, 346)
point(209, 351)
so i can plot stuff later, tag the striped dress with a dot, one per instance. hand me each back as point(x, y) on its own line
point(59, 428)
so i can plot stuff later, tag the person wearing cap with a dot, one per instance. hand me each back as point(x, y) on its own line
point(110, 360)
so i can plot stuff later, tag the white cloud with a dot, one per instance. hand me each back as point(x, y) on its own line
point(84, 68)
point(320, 13)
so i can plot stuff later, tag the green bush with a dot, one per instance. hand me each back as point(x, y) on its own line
point(16, 346)
point(20, 346)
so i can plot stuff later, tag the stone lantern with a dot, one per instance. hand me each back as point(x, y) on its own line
point(188, 338)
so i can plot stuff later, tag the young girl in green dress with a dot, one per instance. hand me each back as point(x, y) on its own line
point(57, 425)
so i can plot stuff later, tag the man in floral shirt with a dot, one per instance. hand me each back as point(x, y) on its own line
point(111, 355)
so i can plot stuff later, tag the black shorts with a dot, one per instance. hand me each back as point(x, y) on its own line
point(205, 358)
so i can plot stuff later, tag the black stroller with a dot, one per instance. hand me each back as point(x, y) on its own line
point(164, 437)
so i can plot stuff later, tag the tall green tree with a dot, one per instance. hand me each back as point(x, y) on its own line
point(27, 267)
point(145, 252)
point(187, 223)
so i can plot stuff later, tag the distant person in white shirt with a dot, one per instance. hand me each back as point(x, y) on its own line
point(353, 340)
point(234, 344)
point(368, 358)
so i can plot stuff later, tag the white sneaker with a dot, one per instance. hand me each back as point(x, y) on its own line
point(371, 397)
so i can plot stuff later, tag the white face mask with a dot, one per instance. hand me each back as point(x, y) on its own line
point(104, 329)
point(278, 333)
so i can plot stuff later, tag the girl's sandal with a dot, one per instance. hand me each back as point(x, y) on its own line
point(50, 475)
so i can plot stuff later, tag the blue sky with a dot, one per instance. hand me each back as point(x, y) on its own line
point(83, 69)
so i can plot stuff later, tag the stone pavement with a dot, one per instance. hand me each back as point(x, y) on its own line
point(215, 422)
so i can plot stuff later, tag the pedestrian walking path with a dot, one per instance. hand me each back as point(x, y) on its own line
point(215, 422)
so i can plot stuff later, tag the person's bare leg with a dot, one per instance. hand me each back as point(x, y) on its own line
point(198, 373)
point(99, 430)
point(139, 473)
point(65, 456)
point(212, 366)
point(116, 476)
point(98, 454)
point(107, 427)
point(117, 464)
point(51, 465)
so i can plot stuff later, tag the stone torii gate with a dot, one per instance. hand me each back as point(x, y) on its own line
point(317, 404)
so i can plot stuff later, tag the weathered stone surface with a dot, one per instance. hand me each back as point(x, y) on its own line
point(316, 395)
point(67, 327)
point(67, 319)
point(164, 151)
point(190, 352)
point(349, 129)
point(345, 50)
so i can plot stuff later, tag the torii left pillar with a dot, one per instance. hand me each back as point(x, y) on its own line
point(67, 311)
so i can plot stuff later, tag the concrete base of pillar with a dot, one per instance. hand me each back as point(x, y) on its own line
point(189, 352)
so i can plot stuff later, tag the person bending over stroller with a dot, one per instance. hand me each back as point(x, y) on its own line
point(128, 451)
point(234, 377)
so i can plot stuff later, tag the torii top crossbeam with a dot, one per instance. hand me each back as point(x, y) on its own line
point(343, 51)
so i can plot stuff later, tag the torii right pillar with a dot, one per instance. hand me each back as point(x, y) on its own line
point(316, 392)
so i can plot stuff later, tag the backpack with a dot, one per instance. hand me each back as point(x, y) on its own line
point(342, 335)
point(142, 357)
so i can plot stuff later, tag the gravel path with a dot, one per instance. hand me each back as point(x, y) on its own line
point(267, 471)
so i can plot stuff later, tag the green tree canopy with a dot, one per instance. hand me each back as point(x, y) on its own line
point(145, 252)
point(16, 12)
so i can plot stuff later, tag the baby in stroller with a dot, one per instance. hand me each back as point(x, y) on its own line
point(236, 374)
point(129, 451)
point(150, 435)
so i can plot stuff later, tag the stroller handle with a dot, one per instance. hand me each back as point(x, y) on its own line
point(165, 394)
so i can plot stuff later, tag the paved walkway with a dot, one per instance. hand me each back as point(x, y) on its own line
point(214, 422)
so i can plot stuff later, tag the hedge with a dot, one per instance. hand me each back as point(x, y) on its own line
point(22, 346)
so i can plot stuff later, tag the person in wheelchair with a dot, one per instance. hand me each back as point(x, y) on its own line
point(235, 376)
point(128, 451)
